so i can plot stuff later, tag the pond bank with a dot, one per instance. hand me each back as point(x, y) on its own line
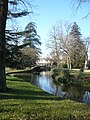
point(25, 101)
point(65, 91)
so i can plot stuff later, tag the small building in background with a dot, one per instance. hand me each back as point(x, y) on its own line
point(43, 62)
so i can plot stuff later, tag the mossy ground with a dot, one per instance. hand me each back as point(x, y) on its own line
point(24, 101)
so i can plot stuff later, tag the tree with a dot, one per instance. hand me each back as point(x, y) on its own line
point(31, 36)
point(29, 57)
point(4, 13)
point(53, 45)
point(67, 46)
point(87, 49)
point(32, 51)
point(3, 17)
point(16, 55)
point(58, 43)
point(77, 52)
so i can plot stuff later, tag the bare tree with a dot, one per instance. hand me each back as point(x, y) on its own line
point(58, 42)
point(79, 3)
point(87, 46)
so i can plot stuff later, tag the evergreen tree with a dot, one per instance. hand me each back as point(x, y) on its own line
point(16, 56)
point(31, 36)
point(77, 47)
point(8, 9)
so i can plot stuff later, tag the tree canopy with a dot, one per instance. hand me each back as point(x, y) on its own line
point(77, 47)
point(66, 45)
point(9, 9)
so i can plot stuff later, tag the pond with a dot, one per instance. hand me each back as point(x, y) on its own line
point(45, 82)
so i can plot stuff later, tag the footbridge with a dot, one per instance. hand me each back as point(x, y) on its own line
point(38, 69)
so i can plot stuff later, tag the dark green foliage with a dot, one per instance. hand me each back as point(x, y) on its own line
point(77, 54)
point(55, 72)
point(64, 66)
point(29, 57)
point(15, 53)
point(66, 76)
point(79, 74)
point(9, 9)
point(31, 36)
point(18, 8)
point(62, 75)
point(26, 54)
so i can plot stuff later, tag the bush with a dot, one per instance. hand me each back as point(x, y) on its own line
point(55, 72)
point(66, 73)
point(64, 66)
point(81, 69)
point(62, 75)
point(79, 74)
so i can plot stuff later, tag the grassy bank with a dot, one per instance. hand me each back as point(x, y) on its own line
point(24, 101)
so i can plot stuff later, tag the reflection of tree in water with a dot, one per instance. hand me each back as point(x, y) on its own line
point(57, 87)
point(26, 76)
point(68, 91)
point(60, 92)
point(86, 97)
point(45, 82)
point(74, 92)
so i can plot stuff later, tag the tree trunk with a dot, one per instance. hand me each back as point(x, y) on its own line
point(3, 17)
point(86, 62)
point(69, 62)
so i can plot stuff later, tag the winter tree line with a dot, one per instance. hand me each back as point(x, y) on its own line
point(67, 45)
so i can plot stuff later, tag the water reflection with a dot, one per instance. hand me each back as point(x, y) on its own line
point(45, 82)
point(86, 97)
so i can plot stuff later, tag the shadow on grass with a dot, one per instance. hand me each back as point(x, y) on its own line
point(19, 90)
point(15, 79)
point(27, 95)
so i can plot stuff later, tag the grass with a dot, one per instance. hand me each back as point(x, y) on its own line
point(85, 80)
point(24, 101)
point(12, 70)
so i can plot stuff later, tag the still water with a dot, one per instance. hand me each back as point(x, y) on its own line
point(45, 82)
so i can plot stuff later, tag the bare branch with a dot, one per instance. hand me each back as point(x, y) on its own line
point(86, 15)
point(78, 3)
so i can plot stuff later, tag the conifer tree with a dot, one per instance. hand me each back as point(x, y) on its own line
point(8, 9)
point(77, 47)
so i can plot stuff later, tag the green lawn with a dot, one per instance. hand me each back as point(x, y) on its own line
point(24, 101)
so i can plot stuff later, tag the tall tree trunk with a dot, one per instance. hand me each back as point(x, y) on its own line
point(69, 61)
point(3, 17)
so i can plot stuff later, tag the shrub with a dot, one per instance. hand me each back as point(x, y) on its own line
point(79, 74)
point(81, 69)
point(55, 72)
point(62, 75)
point(66, 73)
point(64, 66)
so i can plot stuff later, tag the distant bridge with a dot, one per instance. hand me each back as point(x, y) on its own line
point(35, 69)
point(38, 69)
